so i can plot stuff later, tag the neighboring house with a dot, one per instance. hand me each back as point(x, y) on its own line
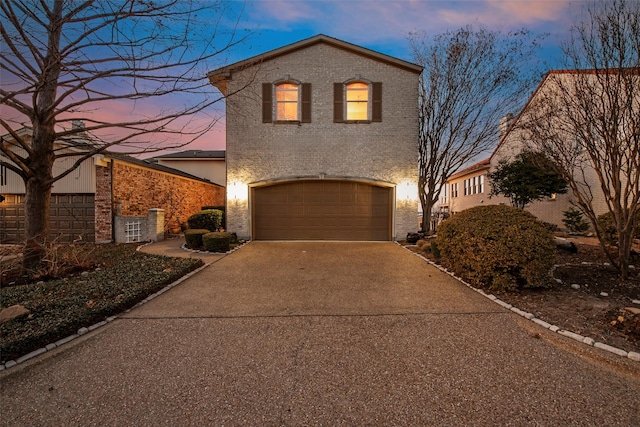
point(321, 143)
point(204, 164)
point(466, 188)
point(85, 202)
point(512, 142)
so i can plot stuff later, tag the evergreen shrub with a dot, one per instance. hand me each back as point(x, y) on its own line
point(209, 219)
point(498, 247)
point(193, 237)
point(608, 228)
point(217, 242)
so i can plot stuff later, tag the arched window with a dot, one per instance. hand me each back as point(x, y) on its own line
point(287, 100)
point(357, 97)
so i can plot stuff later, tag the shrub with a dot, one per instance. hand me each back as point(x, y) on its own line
point(216, 242)
point(193, 237)
point(498, 247)
point(210, 219)
point(574, 221)
point(608, 228)
point(222, 208)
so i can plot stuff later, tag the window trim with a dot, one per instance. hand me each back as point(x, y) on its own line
point(277, 103)
point(270, 102)
point(374, 102)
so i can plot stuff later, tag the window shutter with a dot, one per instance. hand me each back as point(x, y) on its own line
point(376, 106)
point(338, 109)
point(306, 103)
point(267, 107)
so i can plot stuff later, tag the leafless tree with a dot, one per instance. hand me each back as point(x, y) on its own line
point(588, 119)
point(66, 61)
point(471, 79)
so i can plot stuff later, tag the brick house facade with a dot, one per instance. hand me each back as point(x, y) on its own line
point(321, 143)
point(131, 187)
point(85, 202)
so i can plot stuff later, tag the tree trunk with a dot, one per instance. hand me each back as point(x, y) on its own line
point(36, 205)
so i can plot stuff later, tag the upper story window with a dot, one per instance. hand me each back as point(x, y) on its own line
point(357, 102)
point(454, 190)
point(286, 101)
point(357, 96)
point(474, 185)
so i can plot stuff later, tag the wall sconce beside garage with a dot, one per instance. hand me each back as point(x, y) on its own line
point(237, 191)
point(407, 191)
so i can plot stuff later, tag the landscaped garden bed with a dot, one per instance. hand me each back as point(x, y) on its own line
point(87, 284)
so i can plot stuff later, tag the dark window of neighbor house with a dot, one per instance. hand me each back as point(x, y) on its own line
point(3, 175)
point(357, 102)
point(292, 102)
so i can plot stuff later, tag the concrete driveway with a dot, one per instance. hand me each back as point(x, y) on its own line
point(321, 334)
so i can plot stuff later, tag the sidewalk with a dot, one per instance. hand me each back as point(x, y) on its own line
point(173, 247)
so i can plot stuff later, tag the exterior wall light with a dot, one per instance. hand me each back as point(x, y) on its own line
point(237, 191)
point(407, 191)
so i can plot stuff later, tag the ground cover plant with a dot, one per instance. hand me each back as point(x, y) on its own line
point(110, 280)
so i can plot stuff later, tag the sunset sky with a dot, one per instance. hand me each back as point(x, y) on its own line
point(384, 26)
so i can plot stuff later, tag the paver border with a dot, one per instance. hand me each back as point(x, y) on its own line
point(631, 355)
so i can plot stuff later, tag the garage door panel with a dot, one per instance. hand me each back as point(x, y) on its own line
point(70, 215)
point(322, 210)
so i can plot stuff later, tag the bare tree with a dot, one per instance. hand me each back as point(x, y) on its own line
point(588, 119)
point(471, 79)
point(66, 61)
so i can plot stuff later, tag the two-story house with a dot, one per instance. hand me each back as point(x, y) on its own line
point(321, 143)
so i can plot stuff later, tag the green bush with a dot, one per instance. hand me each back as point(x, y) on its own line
point(193, 237)
point(608, 228)
point(222, 208)
point(210, 219)
point(216, 242)
point(498, 247)
point(574, 221)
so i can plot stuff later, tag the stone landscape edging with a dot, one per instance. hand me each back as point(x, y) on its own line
point(631, 355)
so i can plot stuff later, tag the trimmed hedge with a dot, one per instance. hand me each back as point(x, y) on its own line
point(217, 242)
point(498, 247)
point(193, 237)
point(209, 219)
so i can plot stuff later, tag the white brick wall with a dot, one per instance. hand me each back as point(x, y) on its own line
point(385, 152)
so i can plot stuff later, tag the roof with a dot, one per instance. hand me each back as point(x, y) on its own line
point(155, 166)
point(482, 164)
point(219, 77)
point(194, 154)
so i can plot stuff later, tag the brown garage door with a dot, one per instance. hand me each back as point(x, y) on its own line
point(321, 210)
point(71, 215)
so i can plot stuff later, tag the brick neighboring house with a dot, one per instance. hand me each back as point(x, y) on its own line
point(85, 202)
point(322, 143)
point(513, 141)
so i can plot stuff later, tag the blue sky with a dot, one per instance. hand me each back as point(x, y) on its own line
point(385, 25)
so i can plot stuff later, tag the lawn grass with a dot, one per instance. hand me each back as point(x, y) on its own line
point(118, 279)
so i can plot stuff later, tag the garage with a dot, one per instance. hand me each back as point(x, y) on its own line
point(322, 210)
point(71, 216)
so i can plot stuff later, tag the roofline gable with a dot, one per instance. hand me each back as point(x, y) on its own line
point(218, 77)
